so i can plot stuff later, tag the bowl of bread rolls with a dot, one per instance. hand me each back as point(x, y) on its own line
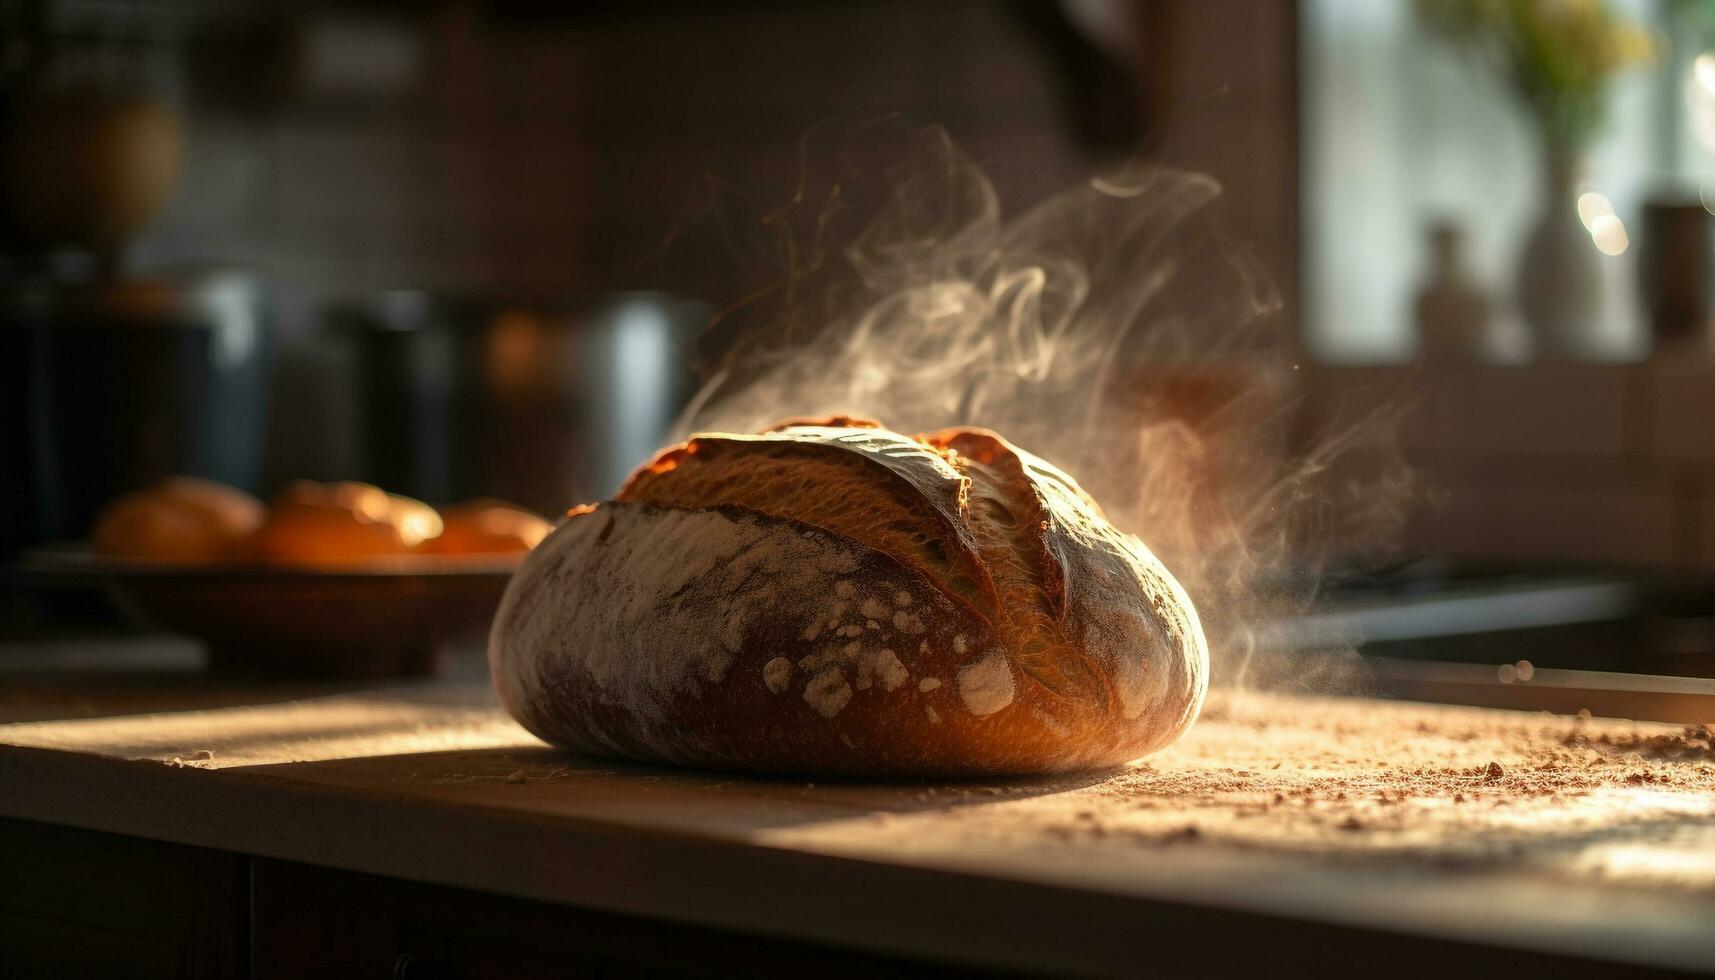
point(324, 579)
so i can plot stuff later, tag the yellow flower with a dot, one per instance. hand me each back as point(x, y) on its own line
point(1558, 55)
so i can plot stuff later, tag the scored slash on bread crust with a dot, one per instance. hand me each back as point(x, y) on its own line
point(841, 598)
point(877, 487)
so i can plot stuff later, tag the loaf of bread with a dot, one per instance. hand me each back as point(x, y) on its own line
point(838, 598)
point(343, 523)
point(487, 527)
point(180, 519)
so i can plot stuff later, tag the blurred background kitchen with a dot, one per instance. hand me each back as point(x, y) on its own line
point(479, 249)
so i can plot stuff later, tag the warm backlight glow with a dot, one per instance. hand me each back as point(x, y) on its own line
point(1703, 71)
point(1700, 99)
point(1605, 227)
point(1609, 234)
point(1649, 863)
point(1592, 206)
point(417, 526)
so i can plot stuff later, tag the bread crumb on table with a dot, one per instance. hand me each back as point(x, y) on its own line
point(1359, 780)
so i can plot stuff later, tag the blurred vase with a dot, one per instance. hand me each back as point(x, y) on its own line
point(1451, 312)
point(544, 405)
point(1560, 286)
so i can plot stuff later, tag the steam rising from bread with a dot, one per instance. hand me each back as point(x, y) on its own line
point(1111, 329)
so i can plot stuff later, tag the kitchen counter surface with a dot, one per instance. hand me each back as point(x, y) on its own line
point(1278, 826)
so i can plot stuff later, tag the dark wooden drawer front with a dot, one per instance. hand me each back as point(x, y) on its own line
point(311, 922)
point(81, 904)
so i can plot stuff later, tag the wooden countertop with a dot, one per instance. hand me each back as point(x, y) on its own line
point(1288, 827)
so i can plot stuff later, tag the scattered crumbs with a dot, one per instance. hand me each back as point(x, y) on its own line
point(928, 684)
point(1465, 785)
point(517, 777)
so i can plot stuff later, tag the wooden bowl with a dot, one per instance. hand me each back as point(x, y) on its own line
point(380, 619)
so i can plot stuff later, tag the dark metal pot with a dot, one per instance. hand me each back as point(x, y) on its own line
point(546, 407)
point(110, 387)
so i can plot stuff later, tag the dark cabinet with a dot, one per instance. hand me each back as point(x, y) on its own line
point(79, 904)
point(313, 922)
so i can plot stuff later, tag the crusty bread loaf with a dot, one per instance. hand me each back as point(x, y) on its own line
point(844, 599)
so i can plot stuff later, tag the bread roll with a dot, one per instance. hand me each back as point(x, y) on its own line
point(487, 527)
point(848, 600)
point(343, 523)
point(180, 518)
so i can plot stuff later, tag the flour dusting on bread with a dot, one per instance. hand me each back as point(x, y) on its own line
point(986, 686)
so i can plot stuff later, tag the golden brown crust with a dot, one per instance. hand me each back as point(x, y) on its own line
point(874, 486)
point(745, 604)
point(1013, 524)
